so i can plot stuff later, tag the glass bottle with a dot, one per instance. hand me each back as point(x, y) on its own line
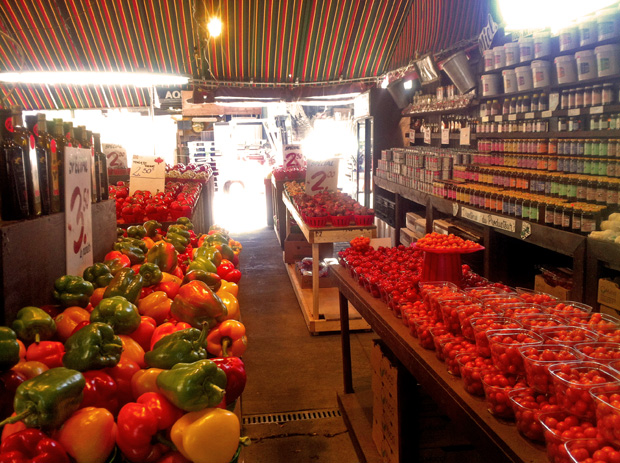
point(60, 142)
point(103, 168)
point(13, 184)
point(25, 139)
point(43, 165)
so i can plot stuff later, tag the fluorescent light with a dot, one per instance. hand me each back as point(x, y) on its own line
point(139, 79)
point(385, 82)
point(215, 27)
point(408, 84)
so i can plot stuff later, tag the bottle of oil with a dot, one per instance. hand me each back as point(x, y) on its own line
point(13, 185)
point(43, 165)
point(25, 139)
point(61, 143)
point(103, 167)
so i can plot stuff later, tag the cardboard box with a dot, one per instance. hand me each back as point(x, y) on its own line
point(407, 236)
point(609, 310)
point(305, 281)
point(609, 293)
point(441, 226)
point(411, 219)
point(296, 247)
point(541, 285)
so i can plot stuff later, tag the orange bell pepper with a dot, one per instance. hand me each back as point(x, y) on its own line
point(89, 435)
point(22, 349)
point(30, 369)
point(149, 242)
point(145, 381)
point(96, 297)
point(231, 303)
point(230, 287)
point(132, 350)
point(156, 305)
point(166, 277)
point(227, 339)
point(69, 318)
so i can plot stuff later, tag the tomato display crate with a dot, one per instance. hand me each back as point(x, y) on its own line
point(340, 220)
point(444, 264)
point(316, 222)
point(364, 220)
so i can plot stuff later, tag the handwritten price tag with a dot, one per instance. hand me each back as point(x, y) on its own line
point(427, 135)
point(445, 136)
point(116, 155)
point(147, 173)
point(465, 135)
point(321, 176)
point(293, 157)
point(78, 215)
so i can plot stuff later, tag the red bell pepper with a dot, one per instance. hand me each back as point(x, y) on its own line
point(235, 377)
point(173, 457)
point(32, 446)
point(227, 339)
point(233, 276)
point(122, 373)
point(167, 328)
point(9, 380)
point(177, 272)
point(100, 391)
point(224, 268)
point(124, 260)
point(47, 352)
point(139, 423)
point(143, 334)
point(171, 288)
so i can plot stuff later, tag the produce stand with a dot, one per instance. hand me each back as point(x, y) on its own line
point(498, 441)
point(327, 318)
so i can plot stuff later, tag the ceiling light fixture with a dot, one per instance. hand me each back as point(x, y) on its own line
point(214, 26)
point(139, 79)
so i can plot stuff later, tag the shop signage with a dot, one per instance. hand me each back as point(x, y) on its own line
point(445, 136)
point(293, 156)
point(321, 176)
point(169, 97)
point(147, 173)
point(485, 39)
point(78, 217)
point(465, 135)
point(116, 155)
point(495, 221)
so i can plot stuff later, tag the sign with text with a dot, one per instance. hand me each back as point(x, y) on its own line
point(496, 221)
point(445, 136)
point(293, 157)
point(116, 155)
point(427, 135)
point(147, 173)
point(485, 39)
point(321, 176)
point(465, 135)
point(78, 216)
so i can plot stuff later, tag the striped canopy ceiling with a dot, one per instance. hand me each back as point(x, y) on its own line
point(276, 41)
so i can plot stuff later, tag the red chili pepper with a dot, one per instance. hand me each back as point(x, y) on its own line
point(32, 446)
point(235, 377)
point(139, 422)
point(100, 391)
point(143, 334)
point(167, 328)
point(47, 352)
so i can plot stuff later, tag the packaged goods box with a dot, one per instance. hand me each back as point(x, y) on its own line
point(305, 281)
point(407, 236)
point(441, 226)
point(609, 293)
point(385, 426)
point(541, 285)
point(411, 219)
point(296, 247)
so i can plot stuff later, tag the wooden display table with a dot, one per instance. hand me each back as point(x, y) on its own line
point(319, 316)
point(501, 442)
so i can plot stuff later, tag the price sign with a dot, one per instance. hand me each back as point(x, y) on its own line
point(498, 118)
point(293, 157)
point(554, 101)
point(465, 135)
point(574, 112)
point(116, 155)
point(596, 110)
point(321, 176)
point(78, 216)
point(147, 173)
point(445, 136)
point(427, 135)
point(528, 116)
point(512, 117)
point(546, 114)
point(485, 39)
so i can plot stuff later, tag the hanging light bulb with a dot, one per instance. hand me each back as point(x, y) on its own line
point(215, 27)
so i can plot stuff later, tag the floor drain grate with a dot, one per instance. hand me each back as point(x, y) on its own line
point(291, 416)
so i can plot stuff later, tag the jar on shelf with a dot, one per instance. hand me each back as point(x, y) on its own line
point(576, 219)
point(581, 189)
point(597, 95)
point(549, 213)
point(562, 124)
point(558, 211)
point(602, 167)
point(611, 148)
point(567, 214)
point(571, 99)
point(579, 98)
point(526, 104)
point(601, 192)
point(596, 144)
point(603, 148)
point(543, 102)
point(552, 146)
point(612, 194)
point(588, 221)
point(513, 105)
point(564, 99)
point(591, 190)
point(587, 147)
point(607, 94)
point(603, 123)
point(587, 96)
point(571, 192)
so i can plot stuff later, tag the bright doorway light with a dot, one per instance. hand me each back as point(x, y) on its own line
point(553, 14)
point(215, 27)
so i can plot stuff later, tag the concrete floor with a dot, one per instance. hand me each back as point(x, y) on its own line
point(289, 369)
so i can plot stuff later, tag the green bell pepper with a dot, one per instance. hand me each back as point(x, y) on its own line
point(118, 312)
point(164, 255)
point(217, 238)
point(133, 248)
point(72, 290)
point(184, 346)
point(226, 251)
point(9, 348)
point(151, 227)
point(178, 237)
point(185, 222)
point(203, 264)
point(209, 252)
point(48, 399)
point(151, 273)
point(93, 347)
point(213, 280)
point(125, 283)
point(120, 232)
point(193, 386)
point(98, 274)
point(33, 325)
point(136, 231)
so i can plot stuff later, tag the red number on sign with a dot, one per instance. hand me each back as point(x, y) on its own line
point(79, 218)
point(291, 159)
point(113, 159)
point(317, 186)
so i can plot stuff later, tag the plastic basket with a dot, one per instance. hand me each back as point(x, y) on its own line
point(364, 219)
point(340, 220)
point(316, 221)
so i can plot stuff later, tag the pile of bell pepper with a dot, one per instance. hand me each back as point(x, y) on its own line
point(141, 354)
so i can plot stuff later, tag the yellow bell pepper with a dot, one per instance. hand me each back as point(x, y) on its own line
point(230, 287)
point(156, 305)
point(98, 425)
point(144, 381)
point(231, 303)
point(207, 436)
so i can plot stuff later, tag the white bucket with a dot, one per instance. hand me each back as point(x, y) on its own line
point(608, 24)
point(588, 31)
point(586, 64)
point(526, 49)
point(524, 78)
point(607, 60)
point(569, 38)
point(490, 84)
point(510, 80)
point(542, 44)
point(500, 56)
point(489, 60)
point(512, 53)
point(541, 73)
point(566, 69)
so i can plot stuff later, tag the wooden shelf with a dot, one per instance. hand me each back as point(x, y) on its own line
point(497, 440)
point(578, 134)
point(471, 105)
point(437, 136)
point(600, 255)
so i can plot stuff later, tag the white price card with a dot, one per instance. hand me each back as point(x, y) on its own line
point(554, 101)
point(147, 173)
point(293, 157)
point(498, 118)
point(321, 176)
point(512, 117)
point(546, 114)
point(574, 112)
point(465, 135)
point(78, 215)
point(596, 110)
point(528, 116)
point(445, 136)
point(427, 135)
point(116, 155)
